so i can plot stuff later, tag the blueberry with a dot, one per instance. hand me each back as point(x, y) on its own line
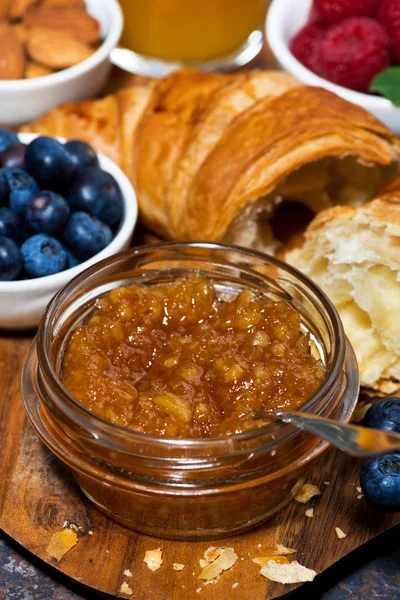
point(14, 156)
point(4, 189)
point(380, 482)
point(22, 188)
point(384, 414)
point(82, 154)
point(7, 137)
point(10, 259)
point(12, 225)
point(96, 192)
point(47, 212)
point(49, 163)
point(72, 261)
point(85, 235)
point(43, 255)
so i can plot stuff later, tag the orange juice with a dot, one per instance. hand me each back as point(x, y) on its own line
point(189, 30)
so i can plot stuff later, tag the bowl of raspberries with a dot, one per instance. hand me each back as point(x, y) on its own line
point(63, 207)
point(350, 47)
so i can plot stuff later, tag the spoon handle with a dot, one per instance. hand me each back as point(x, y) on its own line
point(353, 439)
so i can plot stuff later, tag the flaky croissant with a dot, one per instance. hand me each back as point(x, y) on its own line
point(216, 157)
point(353, 254)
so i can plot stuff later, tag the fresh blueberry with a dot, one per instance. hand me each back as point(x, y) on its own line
point(43, 255)
point(72, 261)
point(22, 188)
point(380, 482)
point(13, 156)
point(4, 189)
point(49, 163)
point(96, 192)
point(10, 259)
point(7, 137)
point(82, 154)
point(47, 212)
point(384, 414)
point(12, 225)
point(85, 235)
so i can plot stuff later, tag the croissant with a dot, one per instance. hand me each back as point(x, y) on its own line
point(234, 157)
point(353, 254)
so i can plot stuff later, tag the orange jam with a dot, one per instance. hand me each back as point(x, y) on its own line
point(174, 360)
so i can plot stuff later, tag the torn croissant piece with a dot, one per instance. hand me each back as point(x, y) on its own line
point(353, 254)
point(234, 157)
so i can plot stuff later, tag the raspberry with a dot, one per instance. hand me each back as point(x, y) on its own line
point(353, 52)
point(333, 11)
point(389, 17)
point(305, 44)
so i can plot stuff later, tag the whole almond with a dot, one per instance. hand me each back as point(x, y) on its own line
point(79, 3)
point(20, 31)
point(19, 7)
point(33, 70)
point(70, 19)
point(4, 8)
point(56, 50)
point(12, 56)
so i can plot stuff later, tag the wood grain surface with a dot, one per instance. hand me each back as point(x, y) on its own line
point(37, 494)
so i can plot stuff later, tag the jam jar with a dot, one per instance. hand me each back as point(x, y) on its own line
point(177, 487)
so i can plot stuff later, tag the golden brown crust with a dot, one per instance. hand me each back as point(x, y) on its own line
point(201, 147)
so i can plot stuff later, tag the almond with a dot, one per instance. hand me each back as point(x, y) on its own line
point(18, 8)
point(79, 3)
point(12, 57)
point(55, 50)
point(20, 31)
point(70, 19)
point(4, 8)
point(33, 70)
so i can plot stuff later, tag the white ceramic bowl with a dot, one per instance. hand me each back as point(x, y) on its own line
point(285, 18)
point(22, 303)
point(23, 100)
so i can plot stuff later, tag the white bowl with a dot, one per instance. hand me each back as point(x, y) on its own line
point(23, 100)
point(22, 303)
point(285, 18)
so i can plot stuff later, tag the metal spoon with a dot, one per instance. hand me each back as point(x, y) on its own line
point(352, 439)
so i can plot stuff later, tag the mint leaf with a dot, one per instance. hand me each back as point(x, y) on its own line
point(387, 83)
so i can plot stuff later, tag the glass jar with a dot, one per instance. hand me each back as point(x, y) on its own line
point(163, 35)
point(186, 488)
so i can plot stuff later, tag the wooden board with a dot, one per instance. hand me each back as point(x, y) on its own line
point(37, 494)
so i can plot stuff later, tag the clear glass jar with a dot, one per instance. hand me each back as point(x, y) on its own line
point(185, 488)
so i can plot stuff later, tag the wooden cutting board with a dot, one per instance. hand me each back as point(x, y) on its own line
point(37, 495)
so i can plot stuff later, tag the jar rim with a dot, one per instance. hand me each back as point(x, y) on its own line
point(69, 405)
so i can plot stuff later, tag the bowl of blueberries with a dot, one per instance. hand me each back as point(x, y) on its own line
point(63, 207)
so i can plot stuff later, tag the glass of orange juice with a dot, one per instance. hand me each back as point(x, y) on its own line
point(206, 34)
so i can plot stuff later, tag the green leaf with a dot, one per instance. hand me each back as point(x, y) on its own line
point(387, 83)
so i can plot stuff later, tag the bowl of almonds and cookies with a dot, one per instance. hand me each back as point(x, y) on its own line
point(53, 51)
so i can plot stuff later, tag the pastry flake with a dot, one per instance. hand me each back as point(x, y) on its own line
point(306, 492)
point(61, 542)
point(287, 573)
point(153, 559)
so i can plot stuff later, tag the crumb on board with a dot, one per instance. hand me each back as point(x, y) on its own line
point(259, 545)
point(153, 559)
point(73, 527)
point(178, 566)
point(359, 490)
point(128, 573)
point(340, 533)
point(263, 560)
point(90, 532)
point(125, 589)
point(61, 542)
point(219, 560)
point(306, 492)
point(360, 496)
point(287, 573)
point(326, 482)
point(199, 590)
point(65, 524)
point(234, 585)
point(309, 513)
